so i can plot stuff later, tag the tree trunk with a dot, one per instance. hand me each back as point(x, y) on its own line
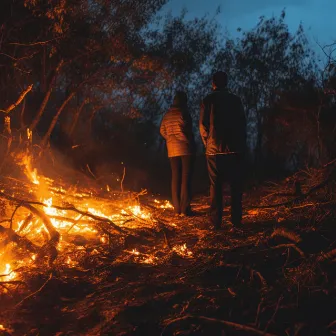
point(46, 98)
point(43, 76)
point(7, 134)
point(54, 121)
point(258, 155)
point(76, 116)
point(92, 115)
point(22, 123)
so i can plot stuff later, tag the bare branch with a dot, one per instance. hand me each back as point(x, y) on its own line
point(35, 43)
point(22, 96)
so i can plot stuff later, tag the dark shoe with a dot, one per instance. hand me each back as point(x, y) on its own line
point(216, 227)
point(237, 225)
point(189, 213)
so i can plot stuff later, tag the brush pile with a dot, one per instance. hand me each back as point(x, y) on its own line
point(79, 258)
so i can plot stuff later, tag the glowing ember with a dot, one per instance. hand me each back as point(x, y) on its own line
point(143, 258)
point(183, 251)
point(29, 134)
point(165, 205)
point(136, 210)
point(134, 251)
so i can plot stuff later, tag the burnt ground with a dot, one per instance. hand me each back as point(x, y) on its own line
point(276, 276)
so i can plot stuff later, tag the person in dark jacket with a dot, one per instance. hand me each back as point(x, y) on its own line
point(176, 128)
point(223, 131)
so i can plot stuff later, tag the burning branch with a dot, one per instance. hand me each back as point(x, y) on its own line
point(54, 235)
point(17, 103)
point(122, 180)
point(22, 242)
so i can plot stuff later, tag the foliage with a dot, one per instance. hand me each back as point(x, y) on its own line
point(98, 64)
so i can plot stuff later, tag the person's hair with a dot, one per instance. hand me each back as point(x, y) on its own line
point(220, 79)
point(180, 99)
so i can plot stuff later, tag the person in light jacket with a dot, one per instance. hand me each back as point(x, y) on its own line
point(176, 129)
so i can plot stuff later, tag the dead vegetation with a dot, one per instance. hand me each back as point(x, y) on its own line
point(77, 259)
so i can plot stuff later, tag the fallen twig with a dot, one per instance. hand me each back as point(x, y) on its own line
point(297, 199)
point(33, 294)
point(287, 234)
point(195, 319)
point(289, 246)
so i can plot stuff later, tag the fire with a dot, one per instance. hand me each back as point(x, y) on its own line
point(183, 251)
point(137, 211)
point(29, 171)
point(143, 258)
point(134, 251)
point(165, 205)
point(6, 330)
point(7, 273)
point(77, 223)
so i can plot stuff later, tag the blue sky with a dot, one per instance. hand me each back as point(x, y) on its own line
point(317, 16)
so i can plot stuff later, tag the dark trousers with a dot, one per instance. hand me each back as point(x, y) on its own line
point(181, 167)
point(225, 169)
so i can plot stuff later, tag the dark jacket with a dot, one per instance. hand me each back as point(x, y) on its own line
point(223, 123)
point(176, 128)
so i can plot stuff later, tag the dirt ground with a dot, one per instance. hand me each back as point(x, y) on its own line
point(275, 276)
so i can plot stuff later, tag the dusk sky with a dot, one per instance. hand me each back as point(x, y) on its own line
point(318, 16)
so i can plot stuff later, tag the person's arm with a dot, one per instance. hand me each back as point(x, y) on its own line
point(204, 122)
point(163, 128)
point(188, 131)
point(242, 125)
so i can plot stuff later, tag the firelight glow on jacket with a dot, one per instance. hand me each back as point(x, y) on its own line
point(222, 123)
point(176, 128)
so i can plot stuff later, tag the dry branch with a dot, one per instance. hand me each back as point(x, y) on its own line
point(33, 294)
point(21, 97)
point(196, 319)
point(22, 242)
point(53, 233)
point(26, 222)
point(293, 246)
point(303, 196)
point(45, 138)
point(287, 234)
point(327, 256)
point(46, 97)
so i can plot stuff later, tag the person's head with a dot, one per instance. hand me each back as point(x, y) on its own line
point(220, 80)
point(180, 99)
